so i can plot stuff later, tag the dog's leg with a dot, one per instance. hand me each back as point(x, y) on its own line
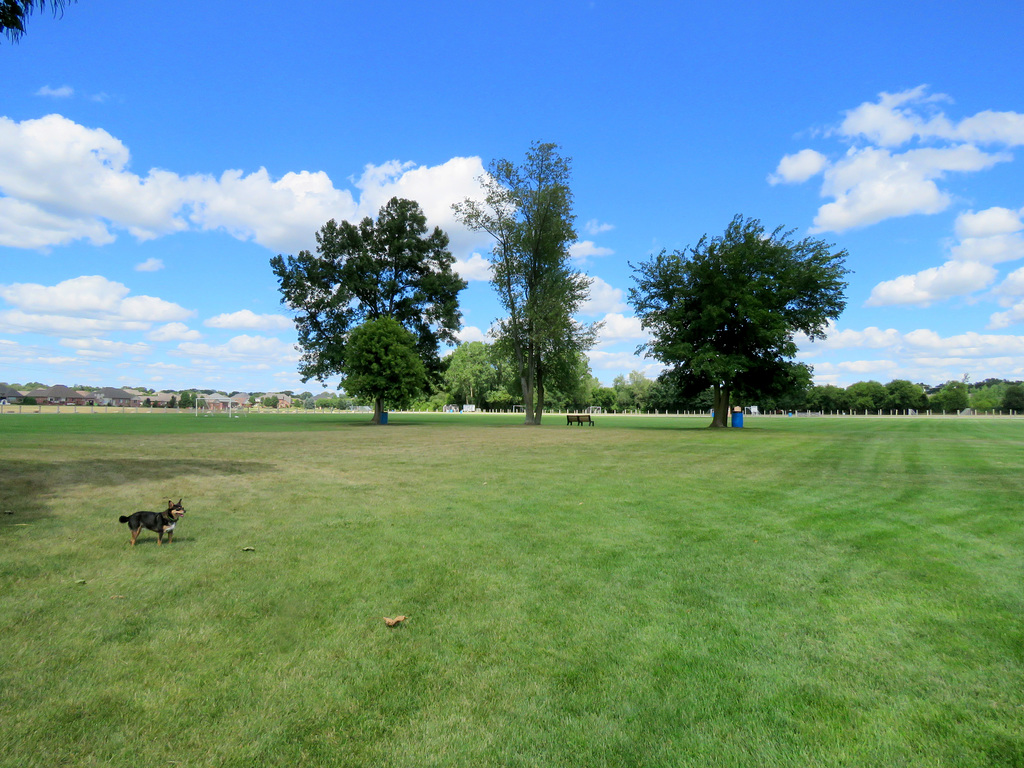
point(135, 534)
point(159, 537)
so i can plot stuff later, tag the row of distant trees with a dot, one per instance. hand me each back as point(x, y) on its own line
point(902, 395)
point(477, 373)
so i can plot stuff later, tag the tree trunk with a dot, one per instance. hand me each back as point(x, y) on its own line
point(539, 408)
point(721, 404)
point(378, 409)
point(527, 385)
point(529, 381)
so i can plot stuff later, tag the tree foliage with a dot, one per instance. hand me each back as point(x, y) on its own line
point(392, 267)
point(952, 397)
point(904, 395)
point(14, 14)
point(382, 364)
point(471, 372)
point(725, 313)
point(866, 396)
point(1013, 398)
point(527, 210)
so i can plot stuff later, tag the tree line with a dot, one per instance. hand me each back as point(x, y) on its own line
point(377, 299)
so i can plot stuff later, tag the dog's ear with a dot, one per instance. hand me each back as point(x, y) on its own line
point(179, 502)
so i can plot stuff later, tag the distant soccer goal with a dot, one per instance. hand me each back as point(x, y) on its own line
point(232, 411)
point(594, 409)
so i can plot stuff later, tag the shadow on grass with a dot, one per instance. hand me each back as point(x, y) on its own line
point(26, 487)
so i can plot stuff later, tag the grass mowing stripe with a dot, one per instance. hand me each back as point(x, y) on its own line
point(643, 592)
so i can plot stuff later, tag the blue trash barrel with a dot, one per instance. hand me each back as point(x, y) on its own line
point(384, 417)
point(737, 418)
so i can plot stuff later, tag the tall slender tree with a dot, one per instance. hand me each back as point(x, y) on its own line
point(392, 267)
point(527, 210)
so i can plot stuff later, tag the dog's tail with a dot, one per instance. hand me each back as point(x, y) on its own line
point(123, 519)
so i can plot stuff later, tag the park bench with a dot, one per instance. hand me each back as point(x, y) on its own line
point(578, 418)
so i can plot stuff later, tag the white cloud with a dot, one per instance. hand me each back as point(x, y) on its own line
point(1013, 285)
point(595, 227)
point(877, 182)
point(87, 294)
point(585, 249)
point(799, 167)
point(83, 305)
point(1012, 316)
point(870, 185)
point(897, 118)
point(989, 250)
point(152, 310)
point(16, 321)
point(80, 174)
point(246, 319)
point(603, 299)
point(435, 188)
point(871, 338)
point(954, 278)
point(617, 327)
point(62, 92)
point(61, 181)
point(174, 332)
point(988, 237)
point(988, 223)
point(476, 267)
point(24, 225)
point(922, 343)
point(471, 333)
point(105, 349)
point(149, 265)
point(865, 367)
point(242, 348)
point(282, 215)
point(604, 360)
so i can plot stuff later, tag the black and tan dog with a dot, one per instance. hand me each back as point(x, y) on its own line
point(160, 522)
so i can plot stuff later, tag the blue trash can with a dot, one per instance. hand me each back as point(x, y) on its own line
point(384, 417)
point(737, 418)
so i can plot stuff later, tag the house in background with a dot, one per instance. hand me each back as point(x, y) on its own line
point(9, 395)
point(60, 395)
point(163, 399)
point(283, 400)
point(112, 396)
point(216, 402)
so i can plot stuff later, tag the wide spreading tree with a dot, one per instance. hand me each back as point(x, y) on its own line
point(392, 267)
point(725, 313)
point(527, 210)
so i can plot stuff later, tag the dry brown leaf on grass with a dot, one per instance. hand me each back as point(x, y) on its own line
point(395, 621)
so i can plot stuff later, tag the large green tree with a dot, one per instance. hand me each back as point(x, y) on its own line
point(828, 397)
point(868, 396)
point(471, 372)
point(725, 313)
point(392, 267)
point(527, 210)
point(14, 14)
point(953, 397)
point(1013, 398)
point(381, 364)
point(904, 395)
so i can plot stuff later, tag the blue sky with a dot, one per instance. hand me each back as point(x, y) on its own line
point(153, 157)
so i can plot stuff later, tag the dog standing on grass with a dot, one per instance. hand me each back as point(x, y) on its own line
point(160, 522)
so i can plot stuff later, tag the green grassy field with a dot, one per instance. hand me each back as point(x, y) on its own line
point(646, 592)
